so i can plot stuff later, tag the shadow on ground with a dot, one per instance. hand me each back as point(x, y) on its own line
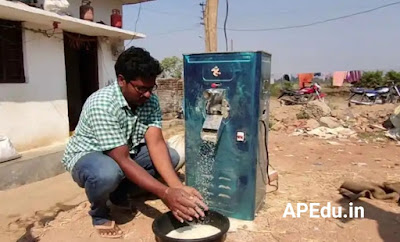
point(40, 218)
point(388, 222)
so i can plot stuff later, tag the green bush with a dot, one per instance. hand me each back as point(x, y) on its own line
point(392, 76)
point(302, 115)
point(278, 86)
point(371, 79)
point(275, 89)
point(288, 85)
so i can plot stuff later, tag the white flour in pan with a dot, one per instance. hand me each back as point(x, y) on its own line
point(197, 231)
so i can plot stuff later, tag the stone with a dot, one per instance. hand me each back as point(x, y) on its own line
point(335, 113)
point(329, 122)
point(312, 124)
point(361, 120)
point(299, 123)
point(277, 127)
point(333, 143)
point(384, 115)
point(297, 132)
point(368, 130)
point(328, 133)
point(323, 133)
point(345, 131)
point(281, 116)
point(272, 176)
point(316, 109)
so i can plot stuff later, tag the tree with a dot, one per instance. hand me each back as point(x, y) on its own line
point(371, 79)
point(392, 76)
point(173, 67)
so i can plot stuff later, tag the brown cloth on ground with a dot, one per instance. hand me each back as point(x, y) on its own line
point(385, 191)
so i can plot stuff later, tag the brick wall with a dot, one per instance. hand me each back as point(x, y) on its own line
point(170, 94)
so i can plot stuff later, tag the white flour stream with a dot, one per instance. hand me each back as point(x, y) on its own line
point(197, 231)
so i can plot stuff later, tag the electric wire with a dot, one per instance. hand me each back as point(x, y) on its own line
point(138, 16)
point(316, 22)
point(226, 19)
point(136, 22)
point(167, 13)
point(174, 31)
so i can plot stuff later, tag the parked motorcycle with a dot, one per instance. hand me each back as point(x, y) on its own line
point(379, 95)
point(394, 92)
point(303, 95)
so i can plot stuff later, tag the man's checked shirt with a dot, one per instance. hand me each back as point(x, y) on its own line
point(107, 122)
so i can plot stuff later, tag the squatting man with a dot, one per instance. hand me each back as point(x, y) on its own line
point(118, 148)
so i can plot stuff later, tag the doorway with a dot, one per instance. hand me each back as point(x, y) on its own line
point(81, 67)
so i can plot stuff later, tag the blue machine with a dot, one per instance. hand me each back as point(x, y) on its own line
point(226, 121)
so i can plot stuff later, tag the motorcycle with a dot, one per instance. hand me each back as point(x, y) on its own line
point(379, 95)
point(394, 92)
point(303, 95)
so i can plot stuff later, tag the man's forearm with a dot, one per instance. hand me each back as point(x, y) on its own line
point(140, 177)
point(135, 172)
point(162, 162)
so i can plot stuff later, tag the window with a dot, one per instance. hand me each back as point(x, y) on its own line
point(11, 57)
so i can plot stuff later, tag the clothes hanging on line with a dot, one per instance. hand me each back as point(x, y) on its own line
point(305, 78)
point(338, 78)
point(353, 76)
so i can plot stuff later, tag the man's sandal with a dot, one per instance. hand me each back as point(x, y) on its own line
point(109, 231)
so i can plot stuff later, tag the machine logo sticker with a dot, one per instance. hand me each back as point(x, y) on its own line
point(240, 136)
point(216, 72)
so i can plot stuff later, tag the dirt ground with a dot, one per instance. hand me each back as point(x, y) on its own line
point(310, 171)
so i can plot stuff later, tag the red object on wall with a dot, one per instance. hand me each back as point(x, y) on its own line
point(86, 11)
point(116, 18)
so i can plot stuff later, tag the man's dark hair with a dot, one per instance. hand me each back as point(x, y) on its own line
point(136, 63)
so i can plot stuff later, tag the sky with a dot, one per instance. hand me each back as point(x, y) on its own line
point(364, 42)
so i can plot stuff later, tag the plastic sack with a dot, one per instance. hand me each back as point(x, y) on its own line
point(177, 143)
point(393, 134)
point(395, 117)
point(7, 150)
point(57, 6)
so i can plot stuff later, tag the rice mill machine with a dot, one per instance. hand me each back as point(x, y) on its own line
point(226, 106)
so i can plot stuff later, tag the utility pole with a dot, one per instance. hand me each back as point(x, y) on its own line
point(210, 25)
point(205, 23)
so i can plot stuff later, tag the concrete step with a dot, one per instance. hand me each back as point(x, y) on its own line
point(34, 165)
point(39, 164)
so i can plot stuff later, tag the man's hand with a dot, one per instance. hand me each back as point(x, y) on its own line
point(185, 203)
point(197, 198)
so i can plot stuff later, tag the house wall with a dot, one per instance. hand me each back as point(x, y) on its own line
point(170, 94)
point(34, 113)
point(102, 12)
point(106, 62)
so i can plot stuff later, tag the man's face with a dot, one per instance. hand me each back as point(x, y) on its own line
point(136, 92)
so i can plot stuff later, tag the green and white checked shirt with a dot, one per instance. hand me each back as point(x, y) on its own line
point(107, 122)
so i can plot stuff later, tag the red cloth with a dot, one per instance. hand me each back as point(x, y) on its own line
point(305, 78)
